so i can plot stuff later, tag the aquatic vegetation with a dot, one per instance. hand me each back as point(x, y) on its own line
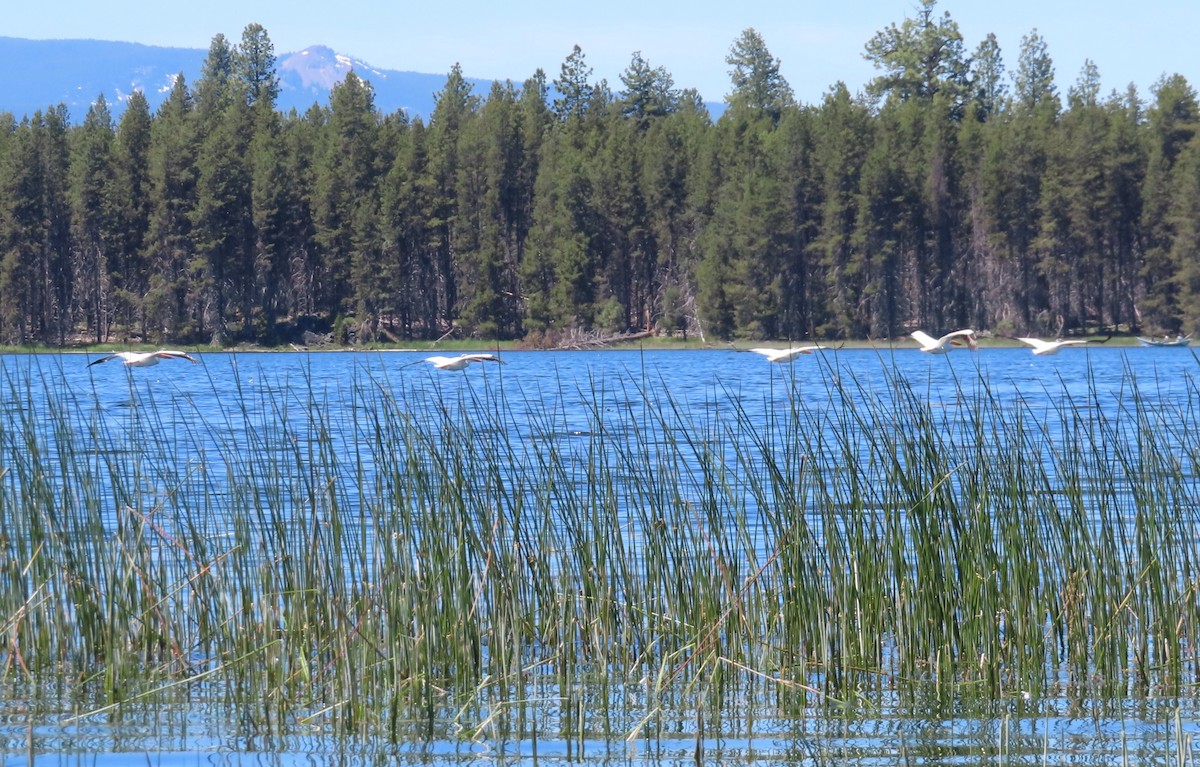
point(604, 560)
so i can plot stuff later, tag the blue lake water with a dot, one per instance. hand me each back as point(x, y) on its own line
point(234, 403)
point(570, 381)
point(570, 386)
point(571, 391)
point(244, 404)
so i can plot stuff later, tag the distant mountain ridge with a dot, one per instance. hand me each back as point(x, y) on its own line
point(36, 75)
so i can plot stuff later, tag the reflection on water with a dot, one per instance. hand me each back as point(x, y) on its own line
point(265, 417)
point(1048, 732)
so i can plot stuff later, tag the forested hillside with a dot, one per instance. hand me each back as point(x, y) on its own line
point(954, 192)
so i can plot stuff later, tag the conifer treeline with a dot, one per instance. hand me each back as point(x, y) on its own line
point(951, 193)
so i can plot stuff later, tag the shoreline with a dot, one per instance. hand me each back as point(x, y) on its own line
point(651, 344)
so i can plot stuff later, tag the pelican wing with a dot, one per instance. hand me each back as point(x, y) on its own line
point(1051, 347)
point(112, 356)
point(461, 361)
point(1037, 343)
point(786, 355)
point(145, 359)
point(793, 353)
point(772, 355)
point(172, 354)
point(969, 335)
point(924, 339)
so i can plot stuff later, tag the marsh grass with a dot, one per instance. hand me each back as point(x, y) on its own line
point(607, 562)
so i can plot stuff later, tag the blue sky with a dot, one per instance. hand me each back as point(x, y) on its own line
point(817, 42)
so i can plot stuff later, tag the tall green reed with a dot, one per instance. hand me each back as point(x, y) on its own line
point(453, 561)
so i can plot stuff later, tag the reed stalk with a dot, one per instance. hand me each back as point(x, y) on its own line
point(485, 561)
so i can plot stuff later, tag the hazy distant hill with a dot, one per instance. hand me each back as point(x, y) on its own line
point(38, 74)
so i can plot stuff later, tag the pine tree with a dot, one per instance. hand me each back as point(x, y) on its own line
point(254, 63)
point(922, 58)
point(792, 154)
point(93, 224)
point(842, 137)
point(1018, 162)
point(304, 140)
point(925, 83)
point(21, 233)
point(130, 196)
point(220, 272)
point(274, 201)
point(345, 184)
point(574, 86)
point(489, 205)
point(455, 109)
point(1076, 206)
point(406, 204)
point(758, 86)
point(988, 89)
point(670, 152)
point(897, 281)
point(1184, 220)
point(54, 318)
point(1034, 88)
point(35, 253)
point(1173, 124)
point(222, 233)
point(1127, 173)
point(649, 92)
point(981, 142)
point(169, 248)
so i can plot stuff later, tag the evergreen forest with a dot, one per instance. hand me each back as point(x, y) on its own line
point(953, 191)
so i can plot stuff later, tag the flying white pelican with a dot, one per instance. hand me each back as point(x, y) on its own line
point(146, 359)
point(787, 355)
point(461, 361)
point(947, 342)
point(1050, 347)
